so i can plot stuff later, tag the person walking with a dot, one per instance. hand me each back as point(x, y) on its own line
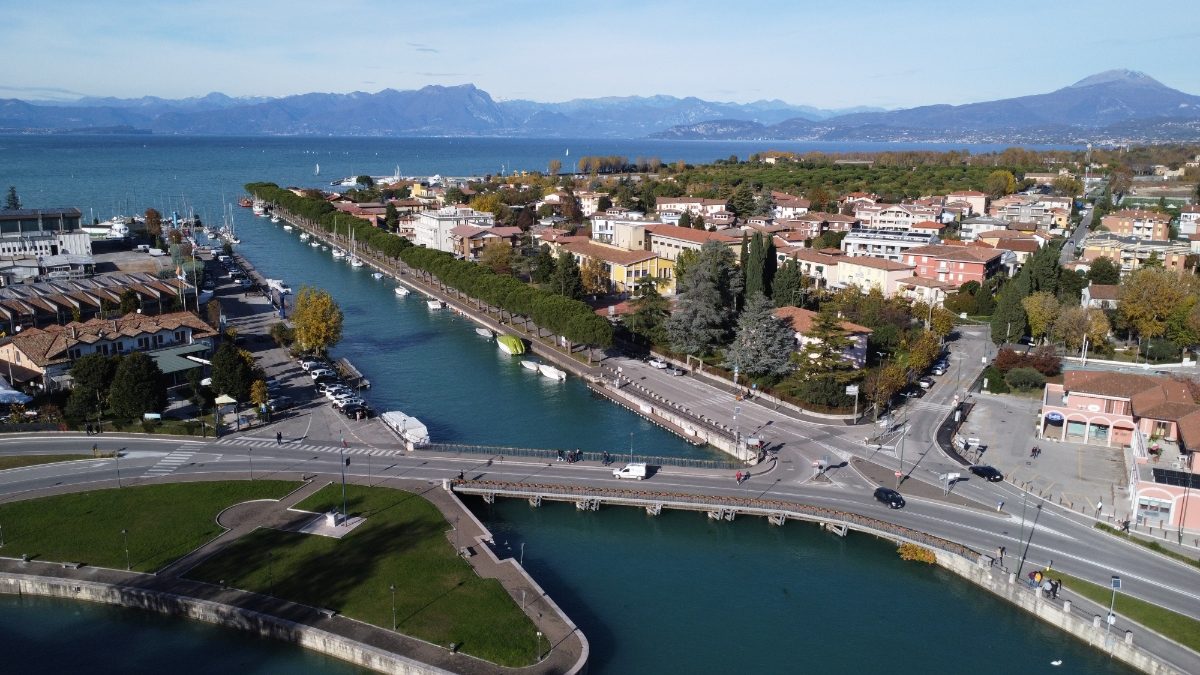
point(1001, 552)
point(278, 438)
point(738, 477)
point(1000, 505)
point(1054, 588)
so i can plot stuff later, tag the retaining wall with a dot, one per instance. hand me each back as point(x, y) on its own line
point(219, 614)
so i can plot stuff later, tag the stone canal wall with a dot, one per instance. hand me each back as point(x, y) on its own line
point(1062, 614)
point(261, 624)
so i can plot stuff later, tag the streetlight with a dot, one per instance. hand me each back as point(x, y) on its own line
point(250, 456)
point(1111, 619)
point(343, 462)
point(539, 645)
point(737, 429)
point(117, 456)
point(1025, 552)
point(522, 554)
point(1, 536)
point(125, 537)
point(631, 447)
point(393, 588)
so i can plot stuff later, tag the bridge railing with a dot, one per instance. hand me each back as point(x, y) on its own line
point(553, 455)
point(805, 511)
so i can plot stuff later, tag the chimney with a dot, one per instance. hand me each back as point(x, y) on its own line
point(74, 333)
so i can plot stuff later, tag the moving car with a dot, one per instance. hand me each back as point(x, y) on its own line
point(890, 497)
point(633, 470)
point(989, 473)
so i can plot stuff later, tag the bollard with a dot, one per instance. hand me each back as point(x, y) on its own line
point(1129, 637)
point(1096, 621)
point(1066, 606)
point(1012, 577)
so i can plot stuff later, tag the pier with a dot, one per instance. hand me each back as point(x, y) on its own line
point(353, 377)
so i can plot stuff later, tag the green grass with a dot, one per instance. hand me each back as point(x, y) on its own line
point(17, 461)
point(164, 522)
point(1182, 629)
point(439, 598)
point(1152, 545)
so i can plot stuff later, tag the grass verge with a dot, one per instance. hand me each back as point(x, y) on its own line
point(439, 598)
point(1152, 545)
point(1182, 629)
point(163, 522)
point(18, 461)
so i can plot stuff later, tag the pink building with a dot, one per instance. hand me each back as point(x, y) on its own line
point(1154, 418)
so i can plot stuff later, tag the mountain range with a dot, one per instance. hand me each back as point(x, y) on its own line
point(1116, 105)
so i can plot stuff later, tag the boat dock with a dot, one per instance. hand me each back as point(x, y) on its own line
point(353, 377)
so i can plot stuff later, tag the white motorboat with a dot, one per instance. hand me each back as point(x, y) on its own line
point(324, 247)
point(484, 332)
point(275, 219)
point(435, 304)
point(402, 291)
point(355, 262)
point(377, 275)
point(409, 429)
point(314, 243)
point(303, 236)
point(551, 372)
point(530, 365)
point(287, 228)
point(339, 253)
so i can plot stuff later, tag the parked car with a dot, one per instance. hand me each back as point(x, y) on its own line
point(938, 369)
point(677, 371)
point(350, 400)
point(280, 402)
point(309, 364)
point(329, 383)
point(925, 382)
point(657, 363)
point(352, 411)
point(890, 497)
point(989, 473)
point(334, 393)
point(318, 373)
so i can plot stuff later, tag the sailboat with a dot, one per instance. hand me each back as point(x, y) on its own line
point(317, 170)
point(354, 261)
point(337, 252)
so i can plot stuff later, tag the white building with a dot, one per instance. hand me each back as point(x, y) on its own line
point(432, 228)
point(895, 216)
point(1189, 219)
point(884, 243)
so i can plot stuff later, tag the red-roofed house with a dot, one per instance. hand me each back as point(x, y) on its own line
point(469, 240)
point(668, 241)
point(977, 200)
point(867, 273)
point(954, 264)
point(1099, 296)
point(625, 268)
point(791, 207)
point(802, 320)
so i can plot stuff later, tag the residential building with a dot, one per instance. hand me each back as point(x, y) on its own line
point(589, 202)
point(1146, 225)
point(625, 268)
point(433, 228)
point(970, 228)
point(788, 207)
point(867, 273)
point(954, 264)
point(1028, 209)
point(668, 241)
point(1048, 178)
point(836, 222)
point(693, 205)
point(895, 216)
point(928, 291)
point(1130, 253)
point(822, 268)
point(1189, 219)
point(1099, 296)
point(887, 244)
point(42, 357)
point(977, 200)
point(802, 320)
point(605, 225)
point(469, 240)
point(1154, 418)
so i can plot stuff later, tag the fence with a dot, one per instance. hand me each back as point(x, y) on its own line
point(555, 454)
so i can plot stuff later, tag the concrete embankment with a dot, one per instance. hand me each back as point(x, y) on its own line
point(216, 613)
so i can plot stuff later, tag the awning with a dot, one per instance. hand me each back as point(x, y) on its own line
point(10, 395)
point(174, 359)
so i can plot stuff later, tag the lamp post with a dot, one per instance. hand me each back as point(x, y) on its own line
point(117, 457)
point(1111, 618)
point(1025, 552)
point(1, 536)
point(631, 447)
point(125, 537)
point(1187, 493)
point(737, 428)
point(522, 554)
point(393, 589)
point(900, 473)
point(539, 645)
point(343, 461)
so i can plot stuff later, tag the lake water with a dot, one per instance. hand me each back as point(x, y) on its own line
point(675, 593)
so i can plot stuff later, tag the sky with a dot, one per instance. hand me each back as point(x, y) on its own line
point(824, 53)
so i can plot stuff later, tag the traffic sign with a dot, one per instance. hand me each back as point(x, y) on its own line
point(1116, 583)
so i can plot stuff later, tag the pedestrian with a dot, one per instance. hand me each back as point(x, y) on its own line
point(1001, 551)
point(1048, 587)
point(1125, 525)
point(460, 475)
point(278, 438)
point(738, 477)
point(1000, 505)
point(1033, 452)
point(1054, 589)
point(1099, 508)
point(95, 450)
point(88, 428)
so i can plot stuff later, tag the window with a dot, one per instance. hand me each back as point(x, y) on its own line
point(143, 343)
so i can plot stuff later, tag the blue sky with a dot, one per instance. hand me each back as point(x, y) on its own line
point(896, 53)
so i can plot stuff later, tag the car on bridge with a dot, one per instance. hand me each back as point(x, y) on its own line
point(989, 473)
point(890, 497)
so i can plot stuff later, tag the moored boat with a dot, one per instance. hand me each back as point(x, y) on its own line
point(435, 304)
point(529, 365)
point(510, 344)
point(287, 228)
point(245, 202)
point(339, 253)
point(551, 372)
point(408, 428)
point(377, 275)
point(483, 332)
point(303, 236)
point(402, 291)
point(314, 243)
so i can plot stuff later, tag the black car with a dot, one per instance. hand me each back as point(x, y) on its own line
point(988, 473)
point(353, 410)
point(890, 497)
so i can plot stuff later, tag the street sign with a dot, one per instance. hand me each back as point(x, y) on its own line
point(852, 390)
point(898, 474)
point(1116, 583)
point(951, 477)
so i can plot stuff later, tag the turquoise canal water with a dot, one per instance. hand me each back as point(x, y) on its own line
point(675, 593)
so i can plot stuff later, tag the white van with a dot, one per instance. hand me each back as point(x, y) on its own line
point(635, 470)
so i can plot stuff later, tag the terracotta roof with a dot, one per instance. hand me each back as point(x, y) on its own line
point(955, 253)
point(1138, 214)
point(802, 320)
point(968, 193)
point(45, 346)
point(875, 263)
point(809, 255)
point(1000, 234)
point(927, 225)
point(927, 283)
point(689, 234)
point(609, 254)
point(1103, 291)
point(1019, 245)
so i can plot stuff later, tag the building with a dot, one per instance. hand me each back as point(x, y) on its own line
point(668, 241)
point(1154, 418)
point(954, 264)
point(821, 268)
point(1100, 296)
point(802, 320)
point(1130, 253)
point(970, 228)
point(1029, 209)
point(788, 207)
point(64, 300)
point(867, 273)
point(469, 240)
point(895, 216)
point(432, 229)
point(887, 244)
point(1145, 225)
point(42, 357)
point(692, 205)
point(928, 291)
point(975, 199)
point(43, 244)
point(625, 268)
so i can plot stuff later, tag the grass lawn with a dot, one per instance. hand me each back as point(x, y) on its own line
point(163, 522)
point(17, 461)
point(438, 596)
point(1182, 629)
point(1150, 544)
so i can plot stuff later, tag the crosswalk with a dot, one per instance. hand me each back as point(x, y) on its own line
point(928, 405)
point(250, 442)
point(170, 463)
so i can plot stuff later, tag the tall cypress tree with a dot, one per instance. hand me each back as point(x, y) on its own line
point(788, 284)
point(753, 266)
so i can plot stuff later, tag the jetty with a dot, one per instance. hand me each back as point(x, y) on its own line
point(352, 375)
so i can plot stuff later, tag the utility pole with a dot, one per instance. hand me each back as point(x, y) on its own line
point(900, 473)
point(342, 457)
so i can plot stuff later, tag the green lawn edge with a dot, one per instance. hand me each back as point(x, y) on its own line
point(1182, 629)
point(18, 461)
point(162, 522)
point(1150, 544)
point(439, 597)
